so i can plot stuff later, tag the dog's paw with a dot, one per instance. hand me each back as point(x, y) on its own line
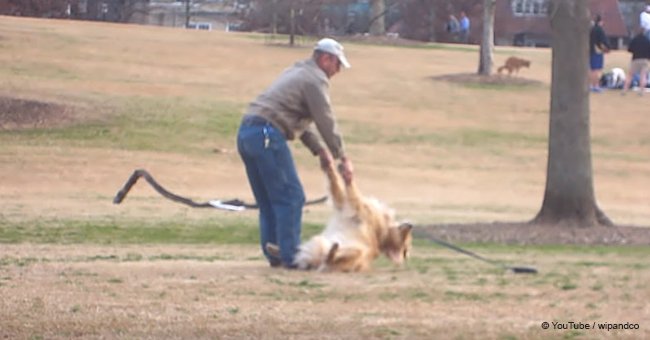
point(332, 253)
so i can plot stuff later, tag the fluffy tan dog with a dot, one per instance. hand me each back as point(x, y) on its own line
point(360, 229)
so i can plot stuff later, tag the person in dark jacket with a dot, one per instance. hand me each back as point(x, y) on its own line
point(598, 46)
point(640, 48)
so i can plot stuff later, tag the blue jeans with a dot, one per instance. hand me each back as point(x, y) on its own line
point(596, 61)
point(277, 189)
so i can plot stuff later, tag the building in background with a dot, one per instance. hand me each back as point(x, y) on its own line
point(517, 22)
point(526, 22)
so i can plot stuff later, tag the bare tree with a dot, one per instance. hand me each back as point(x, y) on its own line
point(432, 22)
point(35, 8)
point(281, 16)
point(292, 25)
point(487, 42)
point(377, 13)
point(569, 197)
point(126, 9)
point(188, 4)
point(274, 18)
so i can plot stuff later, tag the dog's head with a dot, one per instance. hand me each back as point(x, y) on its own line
point(397, 245)
point(395, 241)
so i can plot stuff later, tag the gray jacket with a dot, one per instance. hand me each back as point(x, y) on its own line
point(298, 98)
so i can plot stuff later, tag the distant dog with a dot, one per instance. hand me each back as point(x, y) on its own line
point(360, 229)
point(513, 64)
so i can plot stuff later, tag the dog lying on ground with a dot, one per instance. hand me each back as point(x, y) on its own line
point(513, 64)
point(360, 229)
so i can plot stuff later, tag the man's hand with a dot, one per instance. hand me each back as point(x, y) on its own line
point(346, 170)
point(325, 159)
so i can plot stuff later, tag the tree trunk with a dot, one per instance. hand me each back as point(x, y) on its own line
point(292, 26)
point(187, 13)
point(487, 42)
point(377, 14)
point(569, 197)
point(432, 22)
point(274, 18)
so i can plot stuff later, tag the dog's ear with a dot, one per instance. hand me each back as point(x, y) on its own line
point(405, 233)
point(405, 229)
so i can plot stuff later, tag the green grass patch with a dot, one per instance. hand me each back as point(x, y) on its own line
point(210, 231)
point(468, 138)
point(244, 230)
point(592, 264)
point(306, 41)
point(368, 133)
point(566, 285)
point(509, 87)
point(171, 124)
point(598, 286)
point(38, 70)
point(454, 295)
point(421, 46)
point(129, 232)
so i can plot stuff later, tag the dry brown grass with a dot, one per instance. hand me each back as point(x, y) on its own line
point(180, 292)
point(387, 94)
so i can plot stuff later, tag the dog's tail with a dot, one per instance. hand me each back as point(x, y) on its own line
point(313, 253)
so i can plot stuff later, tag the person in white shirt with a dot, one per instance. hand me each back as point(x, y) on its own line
point(644, 20)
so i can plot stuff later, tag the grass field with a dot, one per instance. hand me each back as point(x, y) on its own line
point(115, 98)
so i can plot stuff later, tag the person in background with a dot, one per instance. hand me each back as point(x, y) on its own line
point(464, 27)
point(640, 48)
point(598, 46)
point(296, 105)
point(452, 27)
point(644, 21)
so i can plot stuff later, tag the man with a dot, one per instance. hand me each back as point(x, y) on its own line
point(598, 46)
point(297, 104)
point(464, 27)
point(452, 27)
point(640, 48)
point(644, 20)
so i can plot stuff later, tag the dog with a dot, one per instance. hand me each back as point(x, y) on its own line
point(360, 230)
point(513, 64)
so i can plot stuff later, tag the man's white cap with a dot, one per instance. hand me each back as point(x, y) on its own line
point(647, 8)
point(332, 46)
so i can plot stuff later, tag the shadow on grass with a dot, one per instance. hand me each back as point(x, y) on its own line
point(525, 233)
